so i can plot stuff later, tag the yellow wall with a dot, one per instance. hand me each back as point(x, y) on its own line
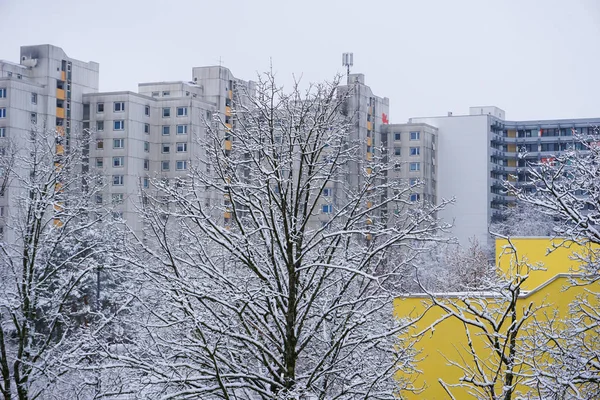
point(448, 341)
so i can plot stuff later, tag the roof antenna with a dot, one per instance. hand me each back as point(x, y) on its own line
point(347, 61)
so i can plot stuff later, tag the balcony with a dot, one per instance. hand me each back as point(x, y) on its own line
point(60, 112)
point(369, 156)
point(230, 95)
point(369, 126)
point(60, 131)
point(228, 126)
point(63, 76)
point(60, 150)
point(60, 94)
point(228, 111)
point(228, 145)
point(369, 141)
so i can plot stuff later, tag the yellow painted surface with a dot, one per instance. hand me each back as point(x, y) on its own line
point(512, 133)
point(228, 111)
point(228, 145)
point(228, 126)
point(511, 148)
point(60, 130)
point(63, 75)
point(60, 94)
point(369, 170)
point(370, 110)
point(60, 149)
point(448, 342)
point(230, 95)
point(60, 112)
point(369, 125)
point(227, 215)
point(369, 156)
point(512, 163)
point(369, 204)
point(369, 141)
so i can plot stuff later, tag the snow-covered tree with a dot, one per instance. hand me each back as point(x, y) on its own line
point(493, 359)
point(53, 248)
point(568, 190)
point(265, 268)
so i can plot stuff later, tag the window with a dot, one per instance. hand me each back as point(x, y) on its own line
point(166, 94)
point(327, 192)
point(118, 180)
point(397, 151)
point(98, 198)
point(146, 164)
point(327, 208)
point(99, 144)
point(2, 132)
point(118, 143)
point(415, 135)
point(182, 129)
point(166, 147)
point(397, 166)
point(117, 214)
point(182, 147)
point(117, 198)
point(100, 107)
point(165, 166)
point(146, 183)
point(147, 128)
point(181, 111)
point(397, 135)
point(33, 117)
point(415, 197)
point(1, 211)
point(118, 161)
point(99, 126)
point(166, 112)
point(99, 162)
point(119, 125)
point(119, 106)
point(166, 130)
point(2, 112)
point(415, 151)
point(155, 94)
point(181, 165)
point(33, 98)
point(147, 110)
point(413, 181)
point(2, 93)
point(415, 166)
point(146, 147)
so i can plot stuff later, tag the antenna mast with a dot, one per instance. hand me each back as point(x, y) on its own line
point(347, 61)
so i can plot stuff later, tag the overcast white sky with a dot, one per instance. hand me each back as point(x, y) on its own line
point(535, 59)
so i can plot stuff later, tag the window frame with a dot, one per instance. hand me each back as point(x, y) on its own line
point(166, 112)
point(2, 112)
point(121, 141)
point(119, 125)
point(415, 151)
point(183, 145)
point(184, 129)
point(119, 179)
point(166, 163)
point(166, 146)
point(119, 106)
point(417, 166)
point(167, 129)
point(34, 98)
point(415, 135)
point(184, 165)
point(3, 93)
point(99, 108)
point(184, 111)
point(118, 161)
point(100, 126)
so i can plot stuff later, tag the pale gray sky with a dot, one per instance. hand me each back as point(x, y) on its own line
point(535, 59)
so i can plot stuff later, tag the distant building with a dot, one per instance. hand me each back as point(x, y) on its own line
point(478, 151)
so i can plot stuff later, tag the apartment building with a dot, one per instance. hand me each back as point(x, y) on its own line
point(157, 132)
point(412, 152)
point(43, 91)
point(478, 151)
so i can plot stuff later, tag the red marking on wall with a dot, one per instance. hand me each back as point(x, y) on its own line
point(384, 118)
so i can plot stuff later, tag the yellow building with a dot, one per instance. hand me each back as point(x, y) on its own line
point(447, 356)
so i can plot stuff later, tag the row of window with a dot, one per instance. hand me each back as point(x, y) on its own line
point(33, 98)
point(119, 106)
point(414, 135)
point(413, 151)
point(413, 166)
point(119, 125)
